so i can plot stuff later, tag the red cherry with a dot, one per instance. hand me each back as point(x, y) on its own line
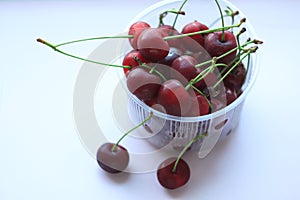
point(135, 30)
point(200, 106)
point(172, 55)
point(185, 65)
point(152, 45)
point(112, 161)
point(208, 81)
point(215, 46)
point(173, 180)
point(236, 77)
point(173, 96)
point(143, 84)
point(194, 27)
point(130, 60)
point(229, 95)
point(169, 31)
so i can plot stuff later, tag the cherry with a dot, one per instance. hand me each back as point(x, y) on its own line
point(169, 31)
point(192, 27)
point(215, 46)
point(236, 77)
point(200, 105)
point(172, 55)
point(185, 65)
point(132, 59)
point(152, 45)
point(143, 84)
point(208, 81)
point(112, 159)
point(135, 30)
point(173, 179)
point(173, 96)
point(229, 94)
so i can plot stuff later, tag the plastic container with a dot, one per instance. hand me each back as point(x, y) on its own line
point(164, 129)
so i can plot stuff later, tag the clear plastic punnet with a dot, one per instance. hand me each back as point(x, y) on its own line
point(164, 129)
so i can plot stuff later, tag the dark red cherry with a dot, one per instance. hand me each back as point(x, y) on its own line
point(173, 180)
point(195, 27)
point(215, 46)
point(135, 30)
point(172, 55)
point(169, 31)
point(229, 95)
point(173, 96)
point(200, 106)
point(143, 84)
point(185, 65)
point(208, 81)
point(152, 45)
point(236, 77)
point(130, 59)
point(112, 161)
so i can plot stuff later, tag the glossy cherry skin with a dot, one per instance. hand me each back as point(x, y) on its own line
point(208, 81)
point(216, 47)
point(185, 65)
point(152, 45)
point(112, 161)
point(229, 95)
point(169, 31)
point(200, 106)
point(173, 96)
point(236, 78)
point(130, 60)
point(143, 84)
point(192, 27)
point(135, 30)
point(172, 55)
point(173, 180)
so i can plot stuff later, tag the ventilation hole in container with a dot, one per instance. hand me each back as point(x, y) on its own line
point(221, 124)
point(148, 129)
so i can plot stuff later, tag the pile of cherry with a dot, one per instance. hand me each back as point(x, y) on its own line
point(190, 73)
point(185, 75)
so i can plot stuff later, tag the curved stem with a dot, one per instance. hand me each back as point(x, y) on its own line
point(175, 20)
point(95, 38)
point(222, 19)
point(185, 148)
point(206, 31)
point(140, 124)
point(54, 47)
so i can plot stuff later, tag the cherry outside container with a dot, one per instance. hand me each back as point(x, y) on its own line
point(173, 131)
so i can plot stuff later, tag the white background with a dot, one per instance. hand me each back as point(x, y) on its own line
point(41, 156)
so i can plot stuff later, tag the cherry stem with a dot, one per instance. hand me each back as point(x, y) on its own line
point(206, 31)
point(248, 52)
point(79, 58)
point(225, 54)
point(222, 20)
point(140, 124)
point(200, 92)
point(229, 13)
point(95, 38)
point(152, 69)
point(164, 14)
point(175, 20)
point(198, 137)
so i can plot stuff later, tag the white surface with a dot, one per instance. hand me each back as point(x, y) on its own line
point(41, 154)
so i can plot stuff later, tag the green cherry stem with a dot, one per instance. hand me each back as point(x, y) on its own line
point(198, 137)
point(165, 13)
point(54, 47)
point(222, 20)
point(95, 38)
point(206, 31)
point(140, 124)
point(175, 20)
point(248, 52)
